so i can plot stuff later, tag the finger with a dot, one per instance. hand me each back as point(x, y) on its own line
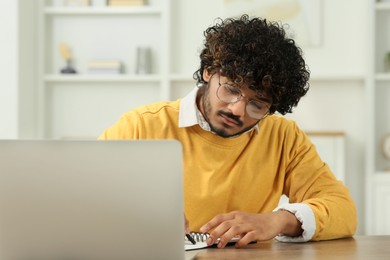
point(225, 232)
point(233, 231)
point(214, 222)
point(246, 239)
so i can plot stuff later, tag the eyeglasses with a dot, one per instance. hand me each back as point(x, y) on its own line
point(256, 109)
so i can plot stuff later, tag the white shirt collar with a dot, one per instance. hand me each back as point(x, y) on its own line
point(188, 108)
point(190, 115)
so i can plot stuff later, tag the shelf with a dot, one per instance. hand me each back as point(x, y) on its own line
point(188, 77)
point(382, 6)
point(336, 78)
point(382, 76)
point(97, 10)
point(101, 78)
point(382, 176)
point(181, 77)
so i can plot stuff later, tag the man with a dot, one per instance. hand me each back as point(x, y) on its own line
point(239, 157)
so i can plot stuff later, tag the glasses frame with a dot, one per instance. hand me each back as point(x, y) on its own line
point(239, 97)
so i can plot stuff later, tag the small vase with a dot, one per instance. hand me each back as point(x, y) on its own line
point(68, 69)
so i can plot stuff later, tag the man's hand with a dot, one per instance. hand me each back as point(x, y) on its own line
point(251, 227)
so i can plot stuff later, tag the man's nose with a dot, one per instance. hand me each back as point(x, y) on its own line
point(238, 108)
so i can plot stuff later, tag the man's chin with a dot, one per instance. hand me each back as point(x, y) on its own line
point(225, 132)
point(225, 135)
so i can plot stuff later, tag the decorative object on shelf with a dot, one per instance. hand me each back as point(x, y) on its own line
point(387, 62)
point(105, 67)
point(126, 2)
point(386, 146)
point(66, 55)
point(144, 60)
point(76, 2)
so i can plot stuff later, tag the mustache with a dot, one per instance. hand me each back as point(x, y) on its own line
point(232, 117)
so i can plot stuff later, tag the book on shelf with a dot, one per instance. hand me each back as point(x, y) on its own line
point(105, 67)
point(200, 239)
point(126, 2)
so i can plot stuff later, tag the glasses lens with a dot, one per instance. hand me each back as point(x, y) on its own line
point(228, 94)
point(255, 108)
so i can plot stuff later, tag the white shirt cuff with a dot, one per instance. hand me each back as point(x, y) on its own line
point(305, 215)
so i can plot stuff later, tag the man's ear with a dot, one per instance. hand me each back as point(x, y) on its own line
point(206, 76)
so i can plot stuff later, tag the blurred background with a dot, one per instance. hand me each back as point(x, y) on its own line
point(70, 68)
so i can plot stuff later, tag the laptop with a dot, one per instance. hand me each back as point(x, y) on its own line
point(73, 200)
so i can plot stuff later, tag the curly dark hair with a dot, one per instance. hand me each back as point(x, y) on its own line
point(257, 53)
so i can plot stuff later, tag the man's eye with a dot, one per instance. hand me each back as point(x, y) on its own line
point(258, 105)
point(232, 90)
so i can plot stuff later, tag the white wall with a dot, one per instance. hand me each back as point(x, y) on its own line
point(340, 53)
point(17, 69)
point(8, 69)
point(344, 47)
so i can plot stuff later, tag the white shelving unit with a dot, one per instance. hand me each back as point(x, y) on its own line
point(378, 97)
point(68, 102)
point(102, 10)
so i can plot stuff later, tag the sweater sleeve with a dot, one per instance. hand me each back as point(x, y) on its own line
point(310, 181)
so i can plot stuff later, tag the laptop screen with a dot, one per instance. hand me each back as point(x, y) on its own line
point(91, 200)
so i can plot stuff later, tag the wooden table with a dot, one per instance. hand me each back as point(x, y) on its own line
point(358, 247)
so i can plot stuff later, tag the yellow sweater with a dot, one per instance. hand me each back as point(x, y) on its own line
point(247, 173)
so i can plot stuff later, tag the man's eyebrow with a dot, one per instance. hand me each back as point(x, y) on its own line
point(263, 99)
point(230, 83)
point(260, 97)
